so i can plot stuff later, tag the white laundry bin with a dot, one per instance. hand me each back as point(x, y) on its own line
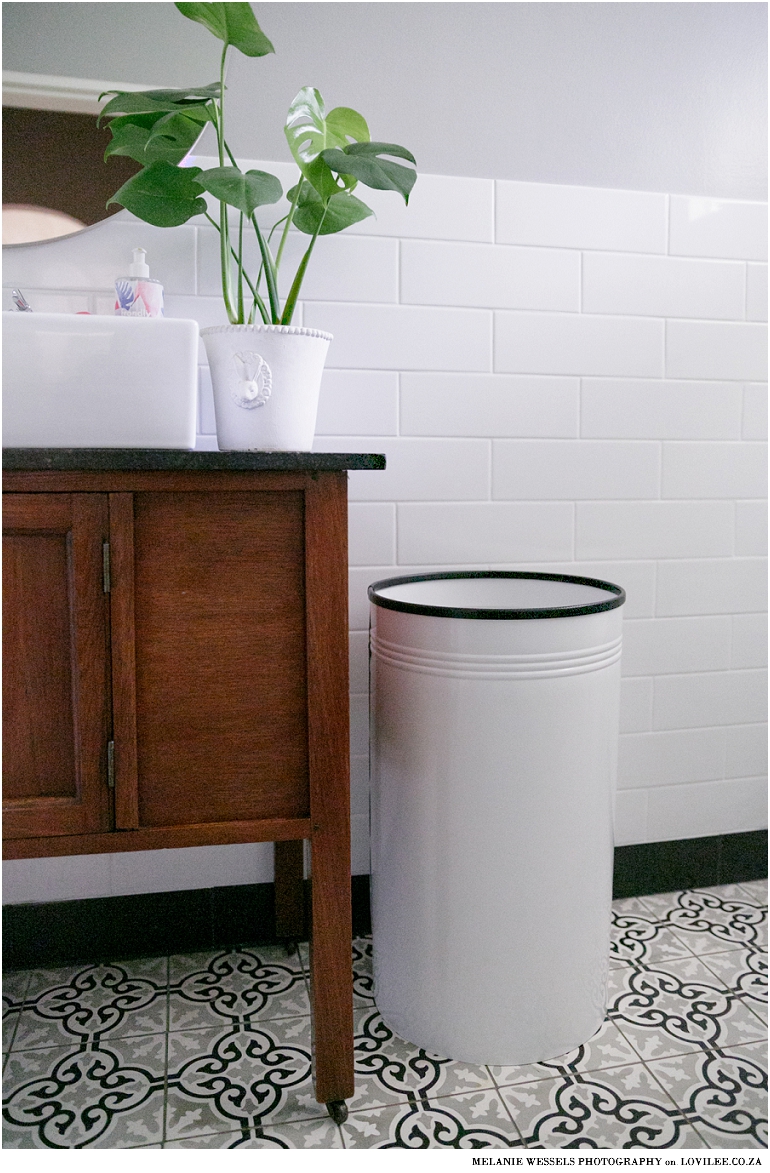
point(494, 726)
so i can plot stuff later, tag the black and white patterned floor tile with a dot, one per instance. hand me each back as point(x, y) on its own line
point(617, 1108)
point(724, 1093)
point(390, 1070)
point(108, 1095)
point(711, 920)
point(88, 1003)
point(467, 1120)
point(241, 1077)
point(246, 986)
point(678, 1007)
point(212, 1050)
point(315, 1134)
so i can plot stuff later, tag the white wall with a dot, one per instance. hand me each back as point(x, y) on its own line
point(562, 378)
point(662, 96)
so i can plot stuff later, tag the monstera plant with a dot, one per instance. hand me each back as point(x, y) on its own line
point(333, 151)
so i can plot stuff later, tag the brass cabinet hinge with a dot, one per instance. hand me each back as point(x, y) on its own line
point(111, 764)
point(106, 580)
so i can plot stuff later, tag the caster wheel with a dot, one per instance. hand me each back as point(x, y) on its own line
point(338, 1110)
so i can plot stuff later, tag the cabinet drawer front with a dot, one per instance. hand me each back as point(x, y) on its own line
point(221, 678)
point(55, 666)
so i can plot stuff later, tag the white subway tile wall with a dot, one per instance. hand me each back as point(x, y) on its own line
point(563, 378)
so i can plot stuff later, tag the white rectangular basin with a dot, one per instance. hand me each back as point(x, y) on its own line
point(94, 381)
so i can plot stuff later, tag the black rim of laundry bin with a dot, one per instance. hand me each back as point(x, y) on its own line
point(618, 599)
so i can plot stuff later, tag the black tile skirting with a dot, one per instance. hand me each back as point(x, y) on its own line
point(159, 923)
point(644, 868)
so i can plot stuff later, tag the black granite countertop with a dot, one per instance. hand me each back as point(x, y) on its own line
point(181, 460)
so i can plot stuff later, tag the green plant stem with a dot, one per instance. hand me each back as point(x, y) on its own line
point(241, 318)
point(272, 230)
point(224, 228)
point(267, 262)
point(255, 295)
point(288, 224)
point(270, 274)
point(291, 300)
point(258, 302)
point(269, 238)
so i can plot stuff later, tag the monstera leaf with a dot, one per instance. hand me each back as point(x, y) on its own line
point(235, 24)
point(242, 191)
point(156, 101)
point(309, 131)
point(150, 137)
point(363, 161)
point(333, 215)
point(162, 194)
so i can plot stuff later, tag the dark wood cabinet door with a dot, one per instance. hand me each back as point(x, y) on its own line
point(56, 702)
point(220, 653)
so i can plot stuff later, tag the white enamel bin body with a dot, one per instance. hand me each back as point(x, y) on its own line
point(493, 750)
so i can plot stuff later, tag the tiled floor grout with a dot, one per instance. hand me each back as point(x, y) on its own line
point(222, 996)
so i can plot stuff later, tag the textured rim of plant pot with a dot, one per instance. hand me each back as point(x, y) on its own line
point(267, 327)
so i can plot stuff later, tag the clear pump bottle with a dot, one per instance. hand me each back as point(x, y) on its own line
point(138, 295)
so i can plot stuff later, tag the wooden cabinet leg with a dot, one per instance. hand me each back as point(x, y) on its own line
point(290, 889)
point(331, 969)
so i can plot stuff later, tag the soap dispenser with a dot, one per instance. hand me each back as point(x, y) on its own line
point(138, 295)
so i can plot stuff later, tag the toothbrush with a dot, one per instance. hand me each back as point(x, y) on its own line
point(20, 301)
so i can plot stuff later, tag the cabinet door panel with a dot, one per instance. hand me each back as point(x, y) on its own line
point(38, 743)
point(55, 665)
point(221, 680)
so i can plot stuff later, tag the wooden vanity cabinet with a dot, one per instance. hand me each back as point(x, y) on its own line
point(176, 674)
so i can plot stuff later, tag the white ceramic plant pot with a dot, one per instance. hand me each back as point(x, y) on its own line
point(266, 381)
